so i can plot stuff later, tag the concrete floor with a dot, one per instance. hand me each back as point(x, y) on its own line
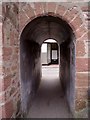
point(49, 101)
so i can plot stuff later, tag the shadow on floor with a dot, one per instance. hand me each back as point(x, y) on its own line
point(49, 101)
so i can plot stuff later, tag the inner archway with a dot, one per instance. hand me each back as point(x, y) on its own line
point(32, 37)
point(49, 52)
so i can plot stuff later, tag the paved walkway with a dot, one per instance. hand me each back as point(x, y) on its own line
point(49, 101)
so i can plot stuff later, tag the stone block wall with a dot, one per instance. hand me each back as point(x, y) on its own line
point(9, 81)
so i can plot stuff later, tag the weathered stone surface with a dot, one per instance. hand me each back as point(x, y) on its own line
point(80, 104)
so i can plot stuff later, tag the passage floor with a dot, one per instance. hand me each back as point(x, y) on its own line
point(49, 101)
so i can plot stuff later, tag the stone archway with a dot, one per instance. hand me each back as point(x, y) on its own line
point(32, 37)
point(26, 12)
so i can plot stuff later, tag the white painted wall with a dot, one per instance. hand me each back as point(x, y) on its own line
point(45, 53)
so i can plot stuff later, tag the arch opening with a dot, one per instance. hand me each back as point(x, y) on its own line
point(31, 40)
point(49, 52)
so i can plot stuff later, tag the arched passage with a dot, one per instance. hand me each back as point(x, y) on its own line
point(32, 37)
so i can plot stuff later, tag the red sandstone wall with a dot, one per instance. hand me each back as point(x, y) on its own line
point(10, 93)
